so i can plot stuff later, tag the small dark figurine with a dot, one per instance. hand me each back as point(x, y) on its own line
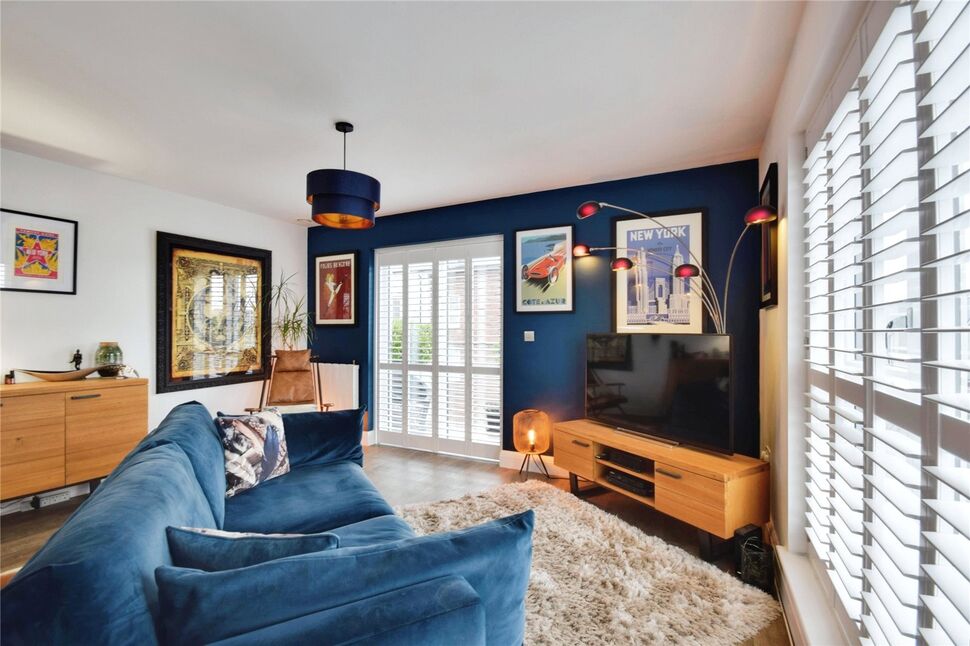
point(76, 359)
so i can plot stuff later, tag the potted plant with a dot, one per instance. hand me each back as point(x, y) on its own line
point(292, 327)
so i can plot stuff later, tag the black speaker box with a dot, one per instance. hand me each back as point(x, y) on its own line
point(740, 536)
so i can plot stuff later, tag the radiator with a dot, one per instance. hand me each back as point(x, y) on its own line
point(339, 382)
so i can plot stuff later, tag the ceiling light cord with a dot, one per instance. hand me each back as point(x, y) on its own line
point(345, 150)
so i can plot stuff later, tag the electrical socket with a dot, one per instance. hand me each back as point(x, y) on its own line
point(48, 499)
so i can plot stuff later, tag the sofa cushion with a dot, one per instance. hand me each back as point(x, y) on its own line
point(494, 558)
point(440, 612)
point(93, 582)
point(382, 529)
point(190, 426)
point(213, 549)
point(313, 498)
point(255, 449)
point(320, 438)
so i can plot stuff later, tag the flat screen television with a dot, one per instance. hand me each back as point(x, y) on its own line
point(674, 387)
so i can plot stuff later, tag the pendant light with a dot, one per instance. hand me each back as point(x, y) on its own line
point(341, 198)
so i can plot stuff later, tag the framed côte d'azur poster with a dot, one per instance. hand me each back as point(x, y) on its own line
point(545, 261)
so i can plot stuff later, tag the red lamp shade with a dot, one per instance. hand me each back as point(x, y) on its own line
point(580, 250)
point(687, 271)
point(761, 214)
point(621, 264)
point(587, 210)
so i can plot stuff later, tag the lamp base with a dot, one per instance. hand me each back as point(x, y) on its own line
point(530, 457)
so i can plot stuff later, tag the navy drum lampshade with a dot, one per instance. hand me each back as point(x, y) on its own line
point(343, 199)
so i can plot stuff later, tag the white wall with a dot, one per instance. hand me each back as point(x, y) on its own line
point(826, 30)
point(115, 298)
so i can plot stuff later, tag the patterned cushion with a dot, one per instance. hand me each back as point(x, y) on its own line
point(255, 449)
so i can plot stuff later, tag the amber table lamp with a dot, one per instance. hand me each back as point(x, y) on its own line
point(531, 433)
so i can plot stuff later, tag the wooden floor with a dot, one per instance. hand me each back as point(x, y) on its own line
point(404, 477)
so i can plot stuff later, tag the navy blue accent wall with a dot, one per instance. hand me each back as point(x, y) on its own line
point(549, 373)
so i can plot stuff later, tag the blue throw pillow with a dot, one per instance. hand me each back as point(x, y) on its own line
point(494, 558)
point(319, 438)
point(214, 550)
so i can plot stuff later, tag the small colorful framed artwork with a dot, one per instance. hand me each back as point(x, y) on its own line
point(39, 253)
point(769, 241)
point(544, 258)
point(336, 292)
point(648, 298)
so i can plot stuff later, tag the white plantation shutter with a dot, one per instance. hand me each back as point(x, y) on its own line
point(888, 343)
point(943, 68)
point(452, 348)
point(390, 348)
point(439, 384)
point(486, 359)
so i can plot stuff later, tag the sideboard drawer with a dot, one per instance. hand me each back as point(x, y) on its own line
point(696, 487)
point(31, 428)
point(101, 427)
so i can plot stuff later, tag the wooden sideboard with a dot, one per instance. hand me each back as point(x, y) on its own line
point(54, 434)
point(715, 493)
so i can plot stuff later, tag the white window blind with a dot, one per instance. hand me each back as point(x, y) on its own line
point(887, 262)
point(439, 346)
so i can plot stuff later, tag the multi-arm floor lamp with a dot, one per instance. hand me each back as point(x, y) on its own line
point(757, 215)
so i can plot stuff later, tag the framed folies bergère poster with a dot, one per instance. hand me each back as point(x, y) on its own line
point(213, 313)
point(336, 289)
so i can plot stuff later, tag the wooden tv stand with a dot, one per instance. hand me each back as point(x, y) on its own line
point(715, 493)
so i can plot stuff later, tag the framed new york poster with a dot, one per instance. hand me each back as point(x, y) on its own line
point(649, 298)
point(544, 258)
point(38, 253)
point(336, 289)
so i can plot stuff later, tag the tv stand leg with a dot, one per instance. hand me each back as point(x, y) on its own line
point(711, 546)
point(573, 484)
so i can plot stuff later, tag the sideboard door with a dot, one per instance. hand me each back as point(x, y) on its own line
point(31, 444)
point(102, 427)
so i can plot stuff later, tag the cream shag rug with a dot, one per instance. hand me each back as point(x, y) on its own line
point(597, 580)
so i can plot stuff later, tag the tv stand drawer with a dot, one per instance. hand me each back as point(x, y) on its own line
point(703, 489)
point(574, 454)
point(685, 507)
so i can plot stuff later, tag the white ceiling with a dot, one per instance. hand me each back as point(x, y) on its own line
point(453, 102)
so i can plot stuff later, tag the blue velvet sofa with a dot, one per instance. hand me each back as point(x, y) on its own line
point(106, 577)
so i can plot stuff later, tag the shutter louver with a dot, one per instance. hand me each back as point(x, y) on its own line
point(887, 262)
